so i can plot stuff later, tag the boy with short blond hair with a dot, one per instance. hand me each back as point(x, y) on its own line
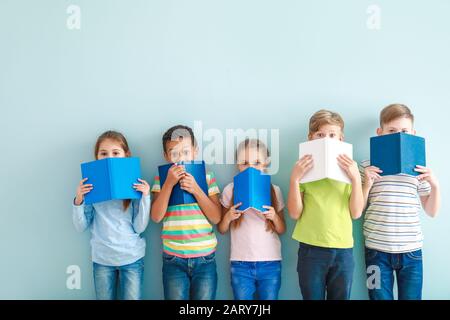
point(324, 210)
point(392, 232)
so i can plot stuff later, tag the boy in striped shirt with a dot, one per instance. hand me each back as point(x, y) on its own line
point(189, 242)
point(392, 232)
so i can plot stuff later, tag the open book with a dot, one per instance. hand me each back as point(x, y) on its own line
point(179, 196)
point(112, 178)
point(325, 153)
point(397, 153)
point(253, 189)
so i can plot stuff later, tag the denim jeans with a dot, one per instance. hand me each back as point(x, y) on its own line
point(128, 279)
point(407, 268)
point(325, 272)
point(189, 278)
point(262, 278)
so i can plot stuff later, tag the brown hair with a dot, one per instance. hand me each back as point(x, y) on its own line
point(395, 111)
point(323, 117)
point(178, 132)
point(260, 146)
point(117, 137)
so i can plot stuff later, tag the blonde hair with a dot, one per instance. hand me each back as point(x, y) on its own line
point(395, 111)
point(323, 117)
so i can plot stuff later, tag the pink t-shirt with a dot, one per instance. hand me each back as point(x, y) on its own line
point(250, 241)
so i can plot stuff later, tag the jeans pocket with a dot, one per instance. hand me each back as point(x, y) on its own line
point(209, 258)
point(370, 254)
point(303, 251)
point(415, 255)
point(168, 258)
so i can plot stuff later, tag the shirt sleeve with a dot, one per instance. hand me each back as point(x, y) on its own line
point(424, 189)
point(156, 185)
point(213, 187)
point(302, 188)
point(141, 214)
point(362, 166)
point(226, 198)
point(82, 216)
point(280, 200)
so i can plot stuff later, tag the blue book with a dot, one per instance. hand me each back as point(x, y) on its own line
point(397, 153)
point(179, 196)
point(112, 179)
point(253, 189)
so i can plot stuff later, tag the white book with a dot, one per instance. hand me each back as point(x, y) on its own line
point(324, 153)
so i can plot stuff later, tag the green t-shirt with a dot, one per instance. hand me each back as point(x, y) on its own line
point(325, 220)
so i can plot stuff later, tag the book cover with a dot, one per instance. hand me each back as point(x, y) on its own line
point(325, 153)
point(253, 189)
point(179, 196)
point(397, 153)
point(112, 179)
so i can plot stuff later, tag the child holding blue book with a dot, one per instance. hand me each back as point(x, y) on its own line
point(324, 210)
point(392, 232)
point(255, 244)
point(118, 249)
point(189, 242)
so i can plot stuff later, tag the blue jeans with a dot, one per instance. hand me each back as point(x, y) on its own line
point(128, 278)
point(262, 278)
point(189, 278)
point(325, 272)
point(408, 270)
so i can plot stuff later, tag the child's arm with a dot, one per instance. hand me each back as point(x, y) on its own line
point(160, 199)
point(229, 215)
point(295, 197)
point(141, 207)
point(432, 202)
point(210, 205)
point(370, 175)
point(356, 203)
point(82, 215)
point(277, 218)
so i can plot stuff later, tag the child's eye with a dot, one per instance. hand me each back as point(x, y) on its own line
point(186, 152)
point(405, 131)
point(332, 135)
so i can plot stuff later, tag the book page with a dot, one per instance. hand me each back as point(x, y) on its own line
point(334, 149)
point(316, 148)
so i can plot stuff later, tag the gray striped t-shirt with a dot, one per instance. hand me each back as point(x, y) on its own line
point(391, 222)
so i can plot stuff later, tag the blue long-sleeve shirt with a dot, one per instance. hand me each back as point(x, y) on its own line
point(115, 233)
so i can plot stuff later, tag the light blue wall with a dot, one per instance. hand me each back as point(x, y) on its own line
point(142, 66)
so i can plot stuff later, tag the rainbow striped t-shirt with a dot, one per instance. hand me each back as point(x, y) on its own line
point(186, 232)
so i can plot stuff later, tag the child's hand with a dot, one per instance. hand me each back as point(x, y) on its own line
point(301, 167)
point(82, 189)
point(143, 187)
point(350, 167)
point(270, 214)
point(175, 173)
point(233, 213)
point(426, 175)
point(371, 174)
point(189, 184)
